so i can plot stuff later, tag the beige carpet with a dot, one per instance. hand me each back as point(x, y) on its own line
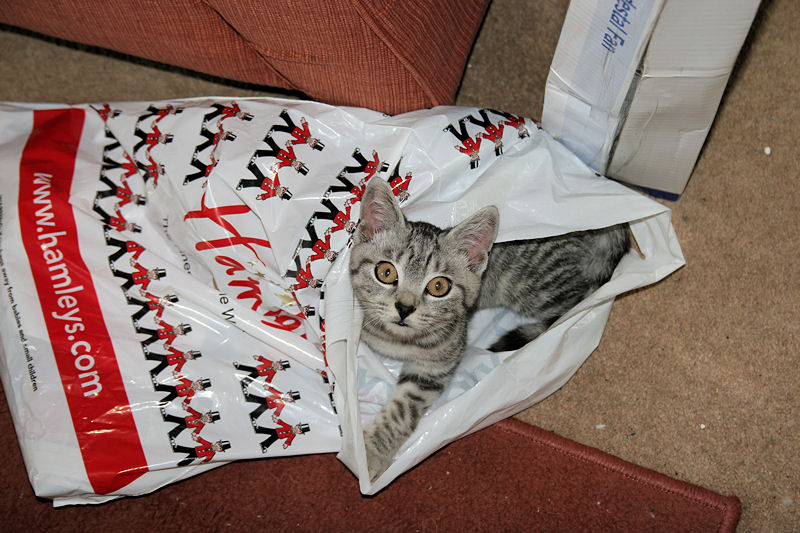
point(697, 377)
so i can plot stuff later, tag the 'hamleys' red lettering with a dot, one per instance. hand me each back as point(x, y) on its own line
point(253, 291)
point(281, 320)
point(232, 264)
point(252, 286)
point(217, 215)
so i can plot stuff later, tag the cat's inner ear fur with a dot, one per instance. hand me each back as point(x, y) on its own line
point(379, 209)
point(475, 236)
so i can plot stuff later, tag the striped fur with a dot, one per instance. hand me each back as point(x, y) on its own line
point(394, 269)
point(544, 278)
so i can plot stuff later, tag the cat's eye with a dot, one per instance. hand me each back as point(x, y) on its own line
point(386, 273)
point(438, 286)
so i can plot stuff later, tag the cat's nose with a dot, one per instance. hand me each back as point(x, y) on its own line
point(404, 309)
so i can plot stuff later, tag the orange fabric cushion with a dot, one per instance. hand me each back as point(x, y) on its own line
point(387, 56)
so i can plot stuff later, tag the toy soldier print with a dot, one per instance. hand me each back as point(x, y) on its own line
point(267, 368)
point(195, 420)
point(399, 184)
point(516, 122)
point(167, 333)
point(283, 431)
point(174, 358)
point(117, 222)
point(229, 111)
point(469, 146)
point(129, 166)
point(159, 112)
point(274, 400)
point(269, 183)
point(204, 450)
point(123, 247)
point(123, 192)
point(495, 134)
point(306, 279)
point(185, 388)
point(287, 157)
point(150, 139)
point(300, 135)
point(153, 171)
point(106, 112)
point(150, 303)
point(141, 276)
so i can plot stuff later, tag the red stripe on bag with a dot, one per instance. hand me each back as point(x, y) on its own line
point(98, 403)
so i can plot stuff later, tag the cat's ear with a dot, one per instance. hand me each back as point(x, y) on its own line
point(379, 210)
point(475, 236)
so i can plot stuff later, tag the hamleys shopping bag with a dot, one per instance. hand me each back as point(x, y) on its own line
point(176, 282)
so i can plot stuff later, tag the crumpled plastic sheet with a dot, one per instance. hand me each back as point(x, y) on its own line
point(177, 290)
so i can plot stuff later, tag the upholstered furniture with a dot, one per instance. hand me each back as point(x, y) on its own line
point(385, 55)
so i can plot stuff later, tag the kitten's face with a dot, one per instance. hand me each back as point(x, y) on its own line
point(410, 288)
point(416, 282)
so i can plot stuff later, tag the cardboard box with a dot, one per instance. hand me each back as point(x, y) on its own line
point(592, 71)
point(634, 86)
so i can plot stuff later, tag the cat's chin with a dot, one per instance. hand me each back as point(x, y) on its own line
point(389, 336)
point(401, 330)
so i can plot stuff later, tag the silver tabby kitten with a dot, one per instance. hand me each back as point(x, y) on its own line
point(418, 286)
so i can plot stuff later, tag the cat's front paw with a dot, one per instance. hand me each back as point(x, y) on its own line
point(377, 461)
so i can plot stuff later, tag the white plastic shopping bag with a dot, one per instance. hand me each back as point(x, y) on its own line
point(177, 292)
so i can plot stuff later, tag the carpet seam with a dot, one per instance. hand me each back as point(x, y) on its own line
point(577, 455)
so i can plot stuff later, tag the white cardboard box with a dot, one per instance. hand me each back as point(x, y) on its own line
point(647, 127)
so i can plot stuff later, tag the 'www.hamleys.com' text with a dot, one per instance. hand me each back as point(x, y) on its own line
point(67, 293)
